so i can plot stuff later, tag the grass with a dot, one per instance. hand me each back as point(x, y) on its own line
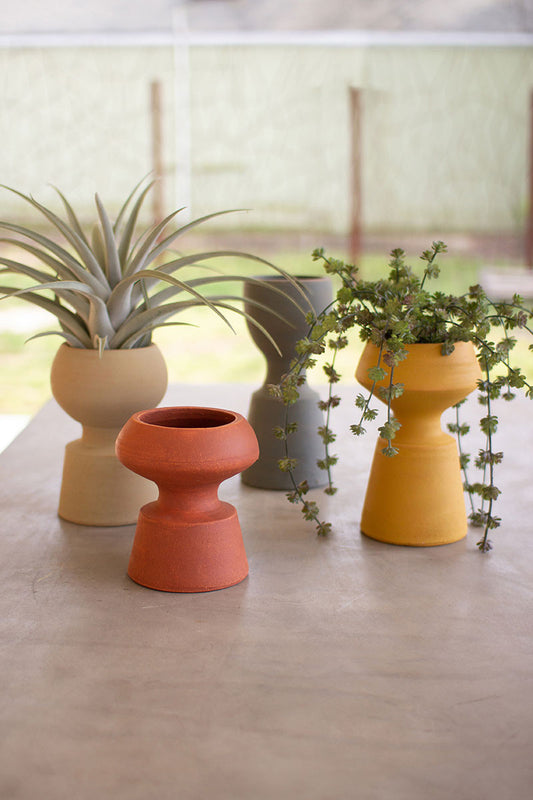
point(209, 353)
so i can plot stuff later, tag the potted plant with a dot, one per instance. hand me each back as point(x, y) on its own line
point(108, 290)
point(424, 351)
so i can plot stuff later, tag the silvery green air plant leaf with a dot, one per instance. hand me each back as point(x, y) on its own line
point(108, 289)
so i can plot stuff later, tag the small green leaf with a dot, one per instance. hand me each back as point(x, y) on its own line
point(389, 429)
point(323, 528)
point(326, 434)
point(309, 510)
point(489, 424)
point(287, 464)
point(274, 390)
point(376, 374)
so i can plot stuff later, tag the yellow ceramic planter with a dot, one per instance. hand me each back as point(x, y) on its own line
point(416, 497)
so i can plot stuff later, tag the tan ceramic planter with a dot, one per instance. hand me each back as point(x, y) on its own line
point(416, 497)
point(101, 394)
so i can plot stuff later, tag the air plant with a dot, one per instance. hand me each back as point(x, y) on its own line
point(109, 289)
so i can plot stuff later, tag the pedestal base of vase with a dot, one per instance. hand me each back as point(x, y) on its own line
point(96, 489)
point(416, 497)
point(174, 555)
point(265, 413)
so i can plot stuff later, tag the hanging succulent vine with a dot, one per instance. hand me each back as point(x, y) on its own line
point(392, 313)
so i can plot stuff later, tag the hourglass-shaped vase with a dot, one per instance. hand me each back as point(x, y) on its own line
point(416, 497)
point(101, 391)
point(188, 540)
point(266, 412)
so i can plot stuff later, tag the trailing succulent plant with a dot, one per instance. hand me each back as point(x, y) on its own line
point(108, 290)
point(392, 313)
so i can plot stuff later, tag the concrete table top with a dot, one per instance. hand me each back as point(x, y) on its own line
point(339, 669)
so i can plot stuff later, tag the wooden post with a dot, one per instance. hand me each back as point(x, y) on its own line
point(529, 222)
point(156, 112)
point(355, 174)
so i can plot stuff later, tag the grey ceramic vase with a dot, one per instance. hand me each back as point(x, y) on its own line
point(266, 412)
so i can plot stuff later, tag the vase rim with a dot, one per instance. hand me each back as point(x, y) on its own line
point(283, 279)
point(187, 417)
point(427, 344)
point(107, 349)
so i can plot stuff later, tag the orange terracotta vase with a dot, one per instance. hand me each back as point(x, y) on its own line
point(416, 497)
point(188, 540)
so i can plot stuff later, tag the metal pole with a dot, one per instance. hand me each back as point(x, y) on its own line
point(529, 222)
point(355, 174)
point(156, 109)
point(182, 110)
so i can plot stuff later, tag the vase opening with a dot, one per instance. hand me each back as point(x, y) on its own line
point(187, 417)
point(282, 279)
